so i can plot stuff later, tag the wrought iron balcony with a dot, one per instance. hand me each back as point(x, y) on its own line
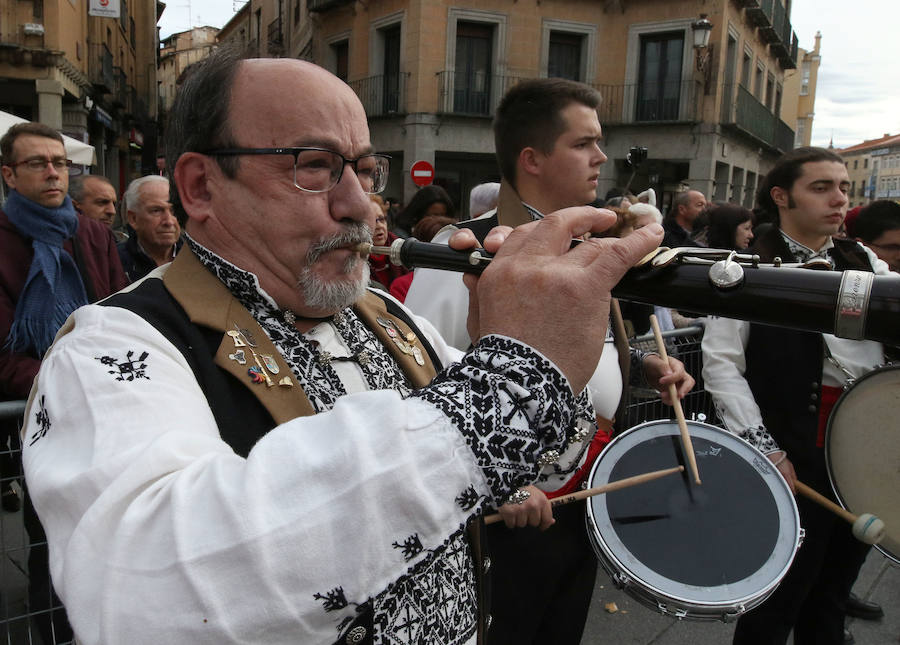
point(471, 94)
point(120, 90)
point(275, 37)
point(787, 55)
point(100, 68)
point(743, 112)
point(761, 14)
point(771, 32)
point(315, 6)
point(678, 101)
point(383, 95)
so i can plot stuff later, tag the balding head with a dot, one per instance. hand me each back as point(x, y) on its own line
point(272, 188)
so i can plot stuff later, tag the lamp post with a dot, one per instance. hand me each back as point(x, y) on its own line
point(701, 29)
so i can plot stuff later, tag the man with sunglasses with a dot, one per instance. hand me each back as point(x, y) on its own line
point(53, 260)
point(257, 447)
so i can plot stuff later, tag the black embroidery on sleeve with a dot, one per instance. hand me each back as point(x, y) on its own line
point(332, 600)
point(42, 418)
point(510, 404)
point(126, 370)
point(411, 546)
point(467, 499)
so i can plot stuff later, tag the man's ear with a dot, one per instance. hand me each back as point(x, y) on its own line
point(530, 161)
point(131, 218)
point(9, 176)
point(191, 176)
point(780, 196)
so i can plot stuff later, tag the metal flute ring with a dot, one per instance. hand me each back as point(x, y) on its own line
point(519, 497)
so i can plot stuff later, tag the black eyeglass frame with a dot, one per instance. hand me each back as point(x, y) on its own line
point(295, 152)
point(69, 166)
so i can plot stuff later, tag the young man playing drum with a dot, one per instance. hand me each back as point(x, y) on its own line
point(775, 388)
point(547, 137)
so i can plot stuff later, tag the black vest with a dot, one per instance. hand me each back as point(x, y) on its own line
point(784, 369)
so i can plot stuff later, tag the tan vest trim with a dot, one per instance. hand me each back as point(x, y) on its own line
point(369, 309)
point(208, 303)
point(510, 211)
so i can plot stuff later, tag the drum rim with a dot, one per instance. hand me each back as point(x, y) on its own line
point(889, 367)
point(736, 604)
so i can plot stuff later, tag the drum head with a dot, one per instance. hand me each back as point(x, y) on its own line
point(723, 545)
point(862, 450)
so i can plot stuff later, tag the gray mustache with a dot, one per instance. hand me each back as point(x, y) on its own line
point(356, 233)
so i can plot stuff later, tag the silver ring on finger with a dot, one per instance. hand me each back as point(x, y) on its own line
point(519, 497)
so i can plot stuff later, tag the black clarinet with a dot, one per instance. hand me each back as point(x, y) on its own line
point(849, 304)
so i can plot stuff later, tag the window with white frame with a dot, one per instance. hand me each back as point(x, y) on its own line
point(659, 72)
point(383, 91)
point(474, 79)
point(799, 136)
point(567, 50)
point(339, 56)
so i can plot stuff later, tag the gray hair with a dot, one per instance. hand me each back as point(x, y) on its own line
point(76, 185)
point(198, 120)
point(132, 197)
point(483, 198)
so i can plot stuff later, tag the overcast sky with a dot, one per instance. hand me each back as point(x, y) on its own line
point(858, 95)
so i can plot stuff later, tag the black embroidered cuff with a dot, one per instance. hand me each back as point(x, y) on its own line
point(760, 439)
point(637, 376)
point(512, 406)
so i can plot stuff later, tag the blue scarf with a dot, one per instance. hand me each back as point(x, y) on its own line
point(53, 288)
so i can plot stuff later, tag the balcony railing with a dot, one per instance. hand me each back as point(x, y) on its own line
point(784, 135)
point(760, 15)
point(275, 37)
point(742, 111)
point(120, 91)
point(475, 95)
point(787, 56)
point(324, 5)
point(100, 68)
point(771, 31)
point(382, 95)
point(678, 101)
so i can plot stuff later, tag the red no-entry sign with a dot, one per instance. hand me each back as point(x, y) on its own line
point(422, 173)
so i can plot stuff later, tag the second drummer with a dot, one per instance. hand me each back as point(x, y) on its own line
point(775, 387)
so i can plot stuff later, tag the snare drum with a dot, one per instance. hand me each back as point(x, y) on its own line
point(862, 450)
point(708, 552)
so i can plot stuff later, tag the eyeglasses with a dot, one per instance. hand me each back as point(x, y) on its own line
point(317, 170)
point(39, 164)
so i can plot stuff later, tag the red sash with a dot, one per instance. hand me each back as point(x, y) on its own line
point(830, 395)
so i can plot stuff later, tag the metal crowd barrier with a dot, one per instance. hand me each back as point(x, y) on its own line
point(643, 404)
point(20, 624)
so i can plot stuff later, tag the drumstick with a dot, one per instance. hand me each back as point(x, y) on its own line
point(597, 490)
point(866, 527)
point(686, 444)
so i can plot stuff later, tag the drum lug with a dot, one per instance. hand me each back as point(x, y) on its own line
point(621, 580)
point(730, 617)
point(676, 612)
point(800, 537)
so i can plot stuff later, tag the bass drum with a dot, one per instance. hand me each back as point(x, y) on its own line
point(862, 450)
point(708, 552)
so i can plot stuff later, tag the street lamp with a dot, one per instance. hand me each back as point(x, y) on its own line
point(702, 29)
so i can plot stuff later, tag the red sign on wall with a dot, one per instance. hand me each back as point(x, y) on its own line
point(422, 173)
